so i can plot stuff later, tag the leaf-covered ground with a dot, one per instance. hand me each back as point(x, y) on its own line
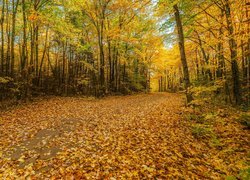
point(131, 137)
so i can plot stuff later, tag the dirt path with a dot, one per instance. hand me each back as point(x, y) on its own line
point(141, 136)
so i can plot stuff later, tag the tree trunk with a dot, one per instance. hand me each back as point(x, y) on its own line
point(2, 38)
point(182, 52)
point(233, 50)
point(221, 60)
point(7, 67)
point(206, 58)
point(36, 49)
point(24, 45)
point(42, 60)
point(14, 9)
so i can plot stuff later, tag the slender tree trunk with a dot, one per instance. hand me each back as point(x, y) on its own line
point(101, 46)
point(110, 64)
point(165, 80)
point(197, 65)
point(24, 60)
point(42, 60)
point(159, 83)
point(182, 52)
point(32, 42)
point(24, 45)
point(14, 9)
point(113, 68)
point(2, 37)
point(7, 67)
point(36, 49)
point(116, 68)
point(243, 62)
point(233, 50)
point(221, 60)
point(149, 81)
point(205, 57)
point(63, 78)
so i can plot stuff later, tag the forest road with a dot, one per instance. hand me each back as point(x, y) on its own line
point(139, 136)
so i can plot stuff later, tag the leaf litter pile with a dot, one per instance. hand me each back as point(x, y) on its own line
point(130, 137)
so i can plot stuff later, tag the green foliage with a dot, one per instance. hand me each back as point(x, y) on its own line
point(136, 87)
point(83, 82)
point(8, 88)
point(202, 90)
point(210, 117)
point(243, 174)
point(199, 131)
point(230, 178)
point(5, 80)
point(195, 118)
point(215, 142)
point(244, 119)
point(205, 118)
point(198, 102)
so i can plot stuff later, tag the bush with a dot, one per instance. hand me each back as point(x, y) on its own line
point(8, 88)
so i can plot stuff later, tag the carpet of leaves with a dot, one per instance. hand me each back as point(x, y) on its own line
point(131, 137)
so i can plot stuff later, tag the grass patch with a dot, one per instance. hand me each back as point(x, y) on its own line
point(199, 131)
point(243, 174)
point(215, 142)
point(207, 118)
point(244, 119)
point(196, 118)
point(210, 116)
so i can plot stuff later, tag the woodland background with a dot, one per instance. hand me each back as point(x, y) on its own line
point(97, 48)
point(101, 47)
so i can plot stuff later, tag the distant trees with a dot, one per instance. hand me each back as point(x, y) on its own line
point(97, 47)
point(75, 47)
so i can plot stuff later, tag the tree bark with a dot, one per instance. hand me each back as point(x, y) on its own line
point(24, 45)
point(2, 37)
point(221, 59)
point(233, 50)
point(14, 10)
point(182, 52)
point(7, 67)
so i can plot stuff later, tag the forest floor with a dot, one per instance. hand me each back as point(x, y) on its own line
point(147, 136)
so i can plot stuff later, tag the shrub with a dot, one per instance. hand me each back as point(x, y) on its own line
point(8, 88)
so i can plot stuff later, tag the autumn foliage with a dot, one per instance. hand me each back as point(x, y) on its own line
point(124, 89)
